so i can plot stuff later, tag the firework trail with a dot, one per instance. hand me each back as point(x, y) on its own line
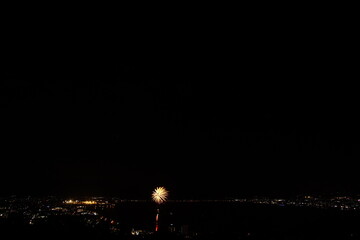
point(159, 196)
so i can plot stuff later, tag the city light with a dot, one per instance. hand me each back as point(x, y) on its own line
point(86, 202)
point(37, 212)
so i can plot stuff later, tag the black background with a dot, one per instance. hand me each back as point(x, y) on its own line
point(213, 106)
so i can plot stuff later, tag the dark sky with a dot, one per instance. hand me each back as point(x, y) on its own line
point(209, 110)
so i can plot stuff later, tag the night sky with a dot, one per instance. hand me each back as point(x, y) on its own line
point(208, 110)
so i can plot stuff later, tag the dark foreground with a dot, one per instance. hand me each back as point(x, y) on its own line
point(196, 221)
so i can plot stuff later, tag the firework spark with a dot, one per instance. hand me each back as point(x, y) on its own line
point(160, 195)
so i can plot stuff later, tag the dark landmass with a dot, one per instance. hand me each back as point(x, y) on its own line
point(101, 218)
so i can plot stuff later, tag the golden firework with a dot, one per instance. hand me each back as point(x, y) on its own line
point(160, 195)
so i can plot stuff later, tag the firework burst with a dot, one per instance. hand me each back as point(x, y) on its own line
point(160, 195)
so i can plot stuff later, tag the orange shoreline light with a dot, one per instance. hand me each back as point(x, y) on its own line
point(87, 202)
